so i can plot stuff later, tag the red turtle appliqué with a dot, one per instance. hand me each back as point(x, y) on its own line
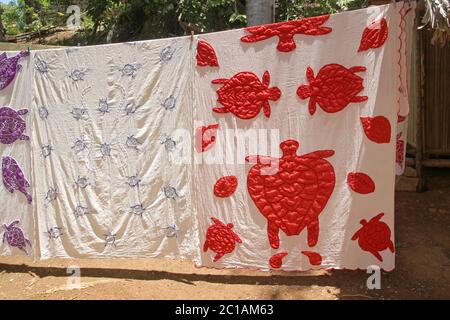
point(206, 56)
point(374, 236)
point(225, 186)
point(334, 88)
point(244, 95)
point(374, 35)
point(293, 197)
point(285, 31)
point(220, 238)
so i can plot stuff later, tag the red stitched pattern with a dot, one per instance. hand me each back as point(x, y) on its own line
point(220, 238)
point(285, 31)
point(205, 137)
point(377, 129)
point(292, 197)
point(400, 118)
point(333, 89)
point(244, 95)
point(315, 259)
point(360, 182)
point(400, 150)
point(374, 236)
point(225, 186)
point(206, 56)
point(276, 261)
point(374, 35)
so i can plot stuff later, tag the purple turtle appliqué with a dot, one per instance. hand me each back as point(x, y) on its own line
point(15, 237)
point(12, 126)
point(13, 177)
point(9, 68)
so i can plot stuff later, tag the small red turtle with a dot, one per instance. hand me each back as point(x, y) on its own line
point(220, 238)
point(244, 95)
point(334, 88)
point(374, 236)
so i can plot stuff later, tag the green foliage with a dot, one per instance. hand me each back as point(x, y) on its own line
point(123, 20)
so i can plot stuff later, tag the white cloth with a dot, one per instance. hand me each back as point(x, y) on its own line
point(114, 174)
point(290, 119)
point(15, 206)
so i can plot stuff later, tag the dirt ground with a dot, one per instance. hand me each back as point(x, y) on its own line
point(422, 268)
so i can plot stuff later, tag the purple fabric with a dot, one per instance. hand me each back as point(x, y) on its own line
point(13, 177)
point(9, 68)
point(15, 237)
point(12, 126)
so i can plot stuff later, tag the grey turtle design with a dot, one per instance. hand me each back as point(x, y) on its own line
point(12, 126)
point(138, 210)
point(41, 66)
point(130, 70)
point(169, 103)
point(105, 149)
point(77, 74)
point(166, 54)
point(134, 181)
point(132, 142)
point(46, 150)
point(172, 231)
point(51, 195)
point(43, 112)
point(54, 232)
point(79, 113)
point(131, 108)
point(14, 236)
point(82, 182)
point(169, 143)
point(80, 211)
point(103, 106)
point(79, 146)
point(170, 192)
point(110, 239)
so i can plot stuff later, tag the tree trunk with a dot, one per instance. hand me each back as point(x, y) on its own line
point(259, 12)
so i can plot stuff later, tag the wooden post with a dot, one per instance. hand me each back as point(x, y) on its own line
point(420, 76)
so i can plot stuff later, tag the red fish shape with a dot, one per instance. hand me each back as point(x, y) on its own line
point(360, 182)
point(206, 56)
point(377, 129)
point(285, 31)
point(205, 137)
point(244, 95)
point(292, 198)
point(334, 88)
point(276, 261)
point(374, 236)
point(225, 186)
point(374, 35)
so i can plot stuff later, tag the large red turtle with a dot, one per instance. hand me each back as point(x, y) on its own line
point(374, 236)
point(220, 238)
point(244, 95)
point(333, 89)
point(12, 126)
point(293, 197)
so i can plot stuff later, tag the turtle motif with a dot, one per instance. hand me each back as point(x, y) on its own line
point(374, 236)
point(244, 95)
point(285, 31)
point(12, 126)
point(374, 35)
point(220, 238)
point(334, 88)
point(292, 197)
point(9, 67)
point(13, 177)
point(14, 236)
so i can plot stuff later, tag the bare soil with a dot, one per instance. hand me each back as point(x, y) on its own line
point(422, 268)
